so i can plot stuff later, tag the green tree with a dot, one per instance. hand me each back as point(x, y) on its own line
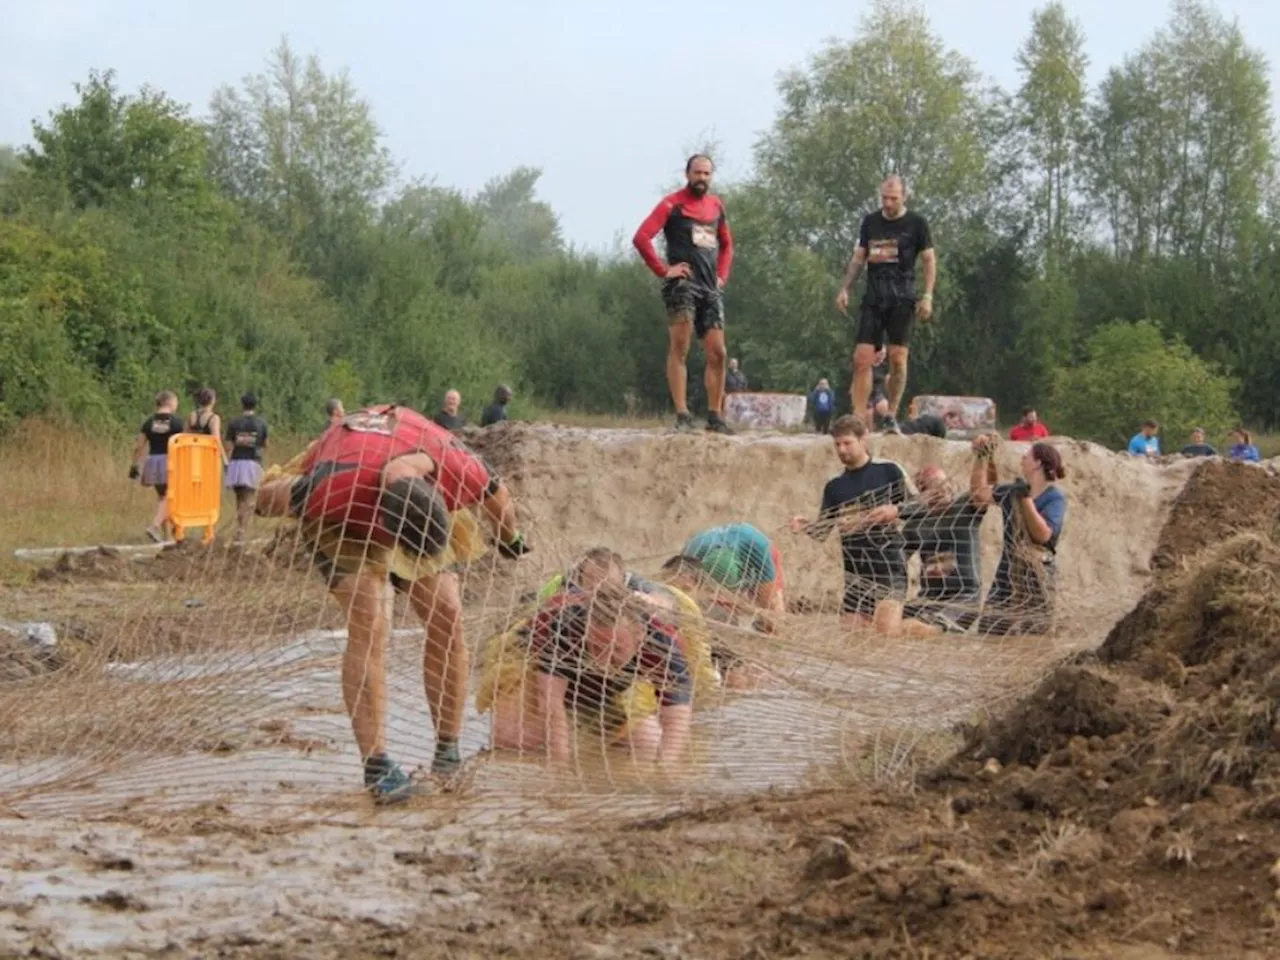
point(1181, 141)
point(301, 149)
point(113, 148)
point(1051, 112)
point(1133, 373)
point(516, 220)
point(892, 100)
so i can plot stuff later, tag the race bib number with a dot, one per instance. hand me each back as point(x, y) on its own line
point(883, 251)
point(369, 422)
point(704, 236)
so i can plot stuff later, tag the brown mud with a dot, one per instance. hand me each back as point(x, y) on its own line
point(1128, 807)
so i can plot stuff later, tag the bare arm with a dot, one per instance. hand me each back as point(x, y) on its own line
point(854, 269)
point(675, 722)
point(981, 479)
point(500, 511)
point(139, 449)
point(1037, 527)
point(551, 691)
point(930, 260)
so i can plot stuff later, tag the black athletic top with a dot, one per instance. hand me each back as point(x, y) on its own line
point(929, 423)
point(158, 428)
point(874, 484)
point(892, 247)
point(196, 425)
point(947, 536)
point(450, 421)
point(247, 434)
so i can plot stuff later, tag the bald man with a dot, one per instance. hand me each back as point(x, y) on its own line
point(889, 242)
point(450, 416)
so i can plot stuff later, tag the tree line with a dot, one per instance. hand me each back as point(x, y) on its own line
point(1119, 244)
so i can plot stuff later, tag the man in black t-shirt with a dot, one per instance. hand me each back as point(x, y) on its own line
point(496, 412)
point(1197, 447)
point(862, 504)
point(889, 241)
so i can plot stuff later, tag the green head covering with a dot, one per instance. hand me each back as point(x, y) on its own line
point(721, 565)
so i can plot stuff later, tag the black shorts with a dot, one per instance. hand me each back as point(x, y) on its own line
point(862, 592)
point(162, 490)
point(891, 323)
point(685, 301)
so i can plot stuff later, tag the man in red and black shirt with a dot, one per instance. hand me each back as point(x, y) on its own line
point(699, 250)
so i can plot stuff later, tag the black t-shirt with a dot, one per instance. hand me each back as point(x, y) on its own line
point(158, 428)
point(892, 247)
point(947, 537)
point(493, 413)
point(247, 434)
point(874, 484)
point(1198, 450)
point(450, 421)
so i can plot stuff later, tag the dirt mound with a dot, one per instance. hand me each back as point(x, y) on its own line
point(1218, 500)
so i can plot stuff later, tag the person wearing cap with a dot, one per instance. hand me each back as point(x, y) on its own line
point(740, 559)
point(245, 439)
point(496, 412)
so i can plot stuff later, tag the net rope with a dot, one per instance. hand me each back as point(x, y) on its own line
point(212, 677)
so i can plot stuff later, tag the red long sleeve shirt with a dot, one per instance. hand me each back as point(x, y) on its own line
point(696, 231)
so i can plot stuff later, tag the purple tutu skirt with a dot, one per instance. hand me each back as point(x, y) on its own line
point(155, 470)
point(244, 473)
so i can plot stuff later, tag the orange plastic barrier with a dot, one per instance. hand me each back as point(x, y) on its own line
point(195, 483)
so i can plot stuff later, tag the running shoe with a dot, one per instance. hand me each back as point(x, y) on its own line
point(684, 423)
point(447, 760)
point(388, 783)
point(155, 534)
point(716, 425)
point(890, 425)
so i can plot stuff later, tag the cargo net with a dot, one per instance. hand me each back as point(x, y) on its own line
point(224, 677)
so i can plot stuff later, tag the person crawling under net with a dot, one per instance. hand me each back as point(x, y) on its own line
point(598, 662)
point(386, 499)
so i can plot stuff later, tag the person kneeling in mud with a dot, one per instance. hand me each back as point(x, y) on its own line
point(1034, 509)
point(598, 660)
point(387, 499)
point(863, 505)
point(600, 564)
point(688, 589)
point(745, 563)
point(943, 529)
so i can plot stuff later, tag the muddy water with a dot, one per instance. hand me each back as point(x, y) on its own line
point(278, 744)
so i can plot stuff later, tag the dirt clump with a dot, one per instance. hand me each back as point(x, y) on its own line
point(1219, 499)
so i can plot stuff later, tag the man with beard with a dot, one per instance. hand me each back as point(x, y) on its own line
point(889, 242)
point(863, 504)
point(699, 250)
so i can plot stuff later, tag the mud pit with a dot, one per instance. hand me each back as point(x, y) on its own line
point(974, 863)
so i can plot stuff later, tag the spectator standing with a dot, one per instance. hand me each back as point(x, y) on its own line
point(496, 412)
point(1146, 442)
point(449, 416)
point(1242, 447)
point(735, 381)
point(699, 250)
point(823, 404)
point(1029, 427)
point(1197, 447)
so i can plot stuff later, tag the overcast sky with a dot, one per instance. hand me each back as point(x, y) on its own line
point(605, 97)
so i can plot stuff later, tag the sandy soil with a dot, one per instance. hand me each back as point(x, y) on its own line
point(1125, 807)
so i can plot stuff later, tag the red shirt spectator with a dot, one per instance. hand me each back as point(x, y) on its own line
point(1029, 427)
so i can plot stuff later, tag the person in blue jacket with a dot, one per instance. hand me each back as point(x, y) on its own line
point(1242, 447)
point(823, 404)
